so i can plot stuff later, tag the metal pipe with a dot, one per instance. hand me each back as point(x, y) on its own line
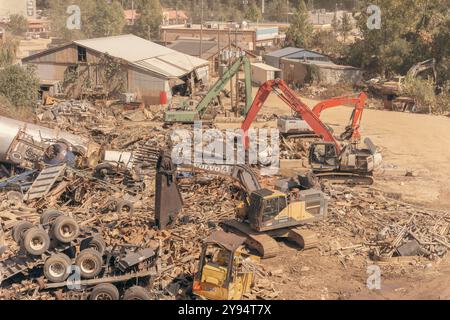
point(9, 128)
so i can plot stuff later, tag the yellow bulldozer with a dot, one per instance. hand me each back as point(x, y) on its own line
point(226, 271)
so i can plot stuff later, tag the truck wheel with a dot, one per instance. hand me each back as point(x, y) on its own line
point(104, 291)
point(19, 229)
point(125, 207)
point(56, 267)
point(65, 229)
point(136, 293)
point(35, 241)
point(49, 216)
point(97, 243)
point(90, 263)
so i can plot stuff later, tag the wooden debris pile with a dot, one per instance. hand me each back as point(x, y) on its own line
point(383, 226)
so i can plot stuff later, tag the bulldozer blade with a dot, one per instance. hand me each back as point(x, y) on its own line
point(168, 200)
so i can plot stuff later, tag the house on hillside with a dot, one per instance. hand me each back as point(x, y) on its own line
point(116, 65)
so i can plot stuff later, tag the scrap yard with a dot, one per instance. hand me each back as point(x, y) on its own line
point(365, 225)
point(137, 169)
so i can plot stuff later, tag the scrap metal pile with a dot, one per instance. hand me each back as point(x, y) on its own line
point(114, 201)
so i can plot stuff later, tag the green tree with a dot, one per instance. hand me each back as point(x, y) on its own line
point(105, 20)
point(252, 12)
point(324, 41)
point(99, 18)
point(345, 25)
point(147, 25)
point(299, 34)
point(420, 32)
point(8, 52)
point(19, 85)
point(335, 23)
point(17, 24)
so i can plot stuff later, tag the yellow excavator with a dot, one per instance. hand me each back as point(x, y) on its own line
point(226, 271)
point(265, 214)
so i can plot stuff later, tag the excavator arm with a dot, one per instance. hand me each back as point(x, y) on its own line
point(241, 173)
point(220, 84)
point(356, 116)
point(280, 88)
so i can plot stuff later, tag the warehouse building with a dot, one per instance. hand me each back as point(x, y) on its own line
point(244, 35)
point(150, 71)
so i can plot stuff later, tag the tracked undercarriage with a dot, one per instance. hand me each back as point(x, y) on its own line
point(264, 242)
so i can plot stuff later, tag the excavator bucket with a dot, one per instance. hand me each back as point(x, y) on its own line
point(168, 200)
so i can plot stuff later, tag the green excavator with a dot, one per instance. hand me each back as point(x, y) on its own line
point(185, 115)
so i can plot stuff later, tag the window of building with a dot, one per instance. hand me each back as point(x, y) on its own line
point(82, 54)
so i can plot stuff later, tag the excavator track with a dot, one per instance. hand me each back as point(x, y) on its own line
point(305, 239)
point(345, 178)
point(264, 244)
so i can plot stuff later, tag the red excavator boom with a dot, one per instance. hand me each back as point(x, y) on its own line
point(280, 88)
point(355, 119)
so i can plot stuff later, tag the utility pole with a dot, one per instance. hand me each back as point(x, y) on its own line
point(287, 11)
point(201, 33)
point(229, 64)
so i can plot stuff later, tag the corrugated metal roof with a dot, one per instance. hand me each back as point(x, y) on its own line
point(145, 54)
point(283, 52)
point(192, 47)
point(305, 54)
point(265, 66)
point(323, 64)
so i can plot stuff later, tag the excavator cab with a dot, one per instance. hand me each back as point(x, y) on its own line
point(323, 156)
point(225, 271)
point(273, 209)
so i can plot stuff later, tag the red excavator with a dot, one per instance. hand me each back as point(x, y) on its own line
point(352, 130)
point(329, 159)
point(295, 127)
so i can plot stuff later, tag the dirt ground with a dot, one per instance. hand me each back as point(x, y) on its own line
point(408, 142)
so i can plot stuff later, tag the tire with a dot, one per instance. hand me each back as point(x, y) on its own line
point(49, 216)
point(136, 293)
point(104, 291)
point(57, 267)
point(19, 230)
point(125, 207)
point(97, 243)
point(35, 241)
point(102, 170)
point(65, 229)
point(90, 263)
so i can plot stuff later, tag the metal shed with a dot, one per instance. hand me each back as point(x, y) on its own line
point(262, 72)
point(273, 58)
point(151, 69)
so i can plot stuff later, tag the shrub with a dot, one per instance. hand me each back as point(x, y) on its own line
point(19, 85)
